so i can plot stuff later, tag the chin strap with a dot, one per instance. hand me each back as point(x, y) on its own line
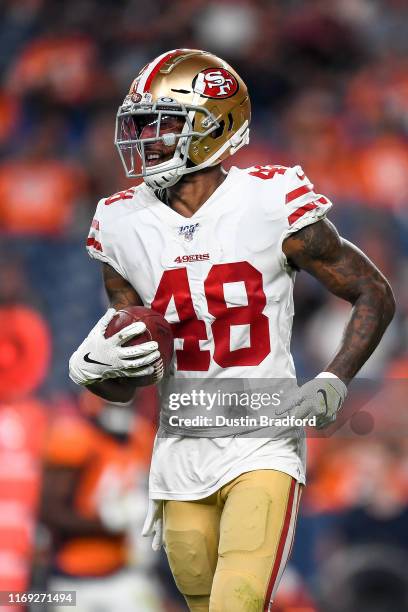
point(162, 180)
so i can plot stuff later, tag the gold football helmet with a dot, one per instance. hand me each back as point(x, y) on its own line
point(205, 93)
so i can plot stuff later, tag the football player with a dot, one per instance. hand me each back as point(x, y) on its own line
point(216, 253)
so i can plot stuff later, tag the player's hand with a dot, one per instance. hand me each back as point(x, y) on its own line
point(321, 397)
point(153, 525)
point(99, 358)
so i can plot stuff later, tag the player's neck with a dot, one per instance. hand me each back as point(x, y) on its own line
point(190, 193)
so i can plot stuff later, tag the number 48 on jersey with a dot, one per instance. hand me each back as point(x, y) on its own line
point(175, 284)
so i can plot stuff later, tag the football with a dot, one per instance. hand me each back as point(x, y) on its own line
point(157, 328)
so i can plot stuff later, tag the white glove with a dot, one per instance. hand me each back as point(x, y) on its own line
point(321, 397)
point(99, 358)
point(154, 523)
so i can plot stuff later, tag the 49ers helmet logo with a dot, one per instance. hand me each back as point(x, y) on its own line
point(215, 83)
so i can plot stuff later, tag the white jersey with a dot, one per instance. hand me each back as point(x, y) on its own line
point(221, 279)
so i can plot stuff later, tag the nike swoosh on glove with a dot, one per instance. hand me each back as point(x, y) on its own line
point(99, 358)
point(321, 397)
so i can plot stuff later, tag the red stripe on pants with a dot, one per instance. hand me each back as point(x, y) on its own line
point(281, 546)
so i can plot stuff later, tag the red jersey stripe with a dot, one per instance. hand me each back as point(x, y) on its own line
point(300, 212)
point(91, 242)
point(296, 193)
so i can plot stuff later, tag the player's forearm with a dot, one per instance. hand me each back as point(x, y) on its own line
point(349, 274)
point(372, 312)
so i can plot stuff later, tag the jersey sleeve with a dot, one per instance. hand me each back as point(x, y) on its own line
point(303, 206)
point(100, 243)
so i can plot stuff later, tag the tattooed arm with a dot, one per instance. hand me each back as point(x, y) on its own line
point(347, 273)
point(120, 294)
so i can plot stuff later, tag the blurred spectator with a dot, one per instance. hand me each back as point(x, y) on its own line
point(382, 169)
point(105, 173)
point(62, 68)
point(94, 504)
point(365, 579)
point(228, 28)
point(314, 134)
point(293, 594)
point(38, 193)
point(20, 484)
point(24, 351)
point(25, 339)
point(9, 117)
point(353, 473)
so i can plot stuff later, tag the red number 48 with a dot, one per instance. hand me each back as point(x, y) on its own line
point(174, 284)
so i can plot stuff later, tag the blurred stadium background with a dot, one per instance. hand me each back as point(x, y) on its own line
point(329, 85)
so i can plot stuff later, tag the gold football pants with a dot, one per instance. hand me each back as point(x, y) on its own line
point(228, 551)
